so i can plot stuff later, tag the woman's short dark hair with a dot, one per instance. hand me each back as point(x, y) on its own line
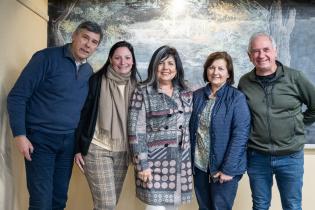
point(229, 65)
point(160, 54)
point(134, 70)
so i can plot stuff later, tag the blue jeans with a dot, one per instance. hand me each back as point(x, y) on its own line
point(288, 171)
point(214, 195)
point(49, 172)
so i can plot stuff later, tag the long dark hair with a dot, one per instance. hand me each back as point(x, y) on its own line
point(160, 54)
point(134, 70)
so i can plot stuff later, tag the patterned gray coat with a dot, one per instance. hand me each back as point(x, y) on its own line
point(158, 135)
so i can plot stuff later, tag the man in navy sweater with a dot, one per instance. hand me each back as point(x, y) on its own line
point(44, 109)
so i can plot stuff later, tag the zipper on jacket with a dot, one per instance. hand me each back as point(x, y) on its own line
point(269, 102)
point(268, 115)
point(269, 98)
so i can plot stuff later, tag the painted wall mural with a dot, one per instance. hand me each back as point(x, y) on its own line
point(196, 28)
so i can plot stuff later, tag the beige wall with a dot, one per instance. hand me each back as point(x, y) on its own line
point(22, 33)
point(80, 198)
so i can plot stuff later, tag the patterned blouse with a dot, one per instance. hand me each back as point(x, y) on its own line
point(202, 149)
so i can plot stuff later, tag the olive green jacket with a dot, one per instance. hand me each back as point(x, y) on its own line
point(278, 120)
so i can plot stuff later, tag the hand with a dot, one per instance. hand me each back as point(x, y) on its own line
point(223, 177)
point(78, 159)
point(24, 146)
point(145, 175)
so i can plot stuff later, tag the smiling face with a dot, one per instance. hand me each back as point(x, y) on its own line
point(122, 60)
point(166, 70)
point(84, 43)
point(263, 55)
point(217, 73)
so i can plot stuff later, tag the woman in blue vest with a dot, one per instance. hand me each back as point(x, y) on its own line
point(219, 129)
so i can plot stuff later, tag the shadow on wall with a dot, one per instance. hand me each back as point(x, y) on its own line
point(6, 172)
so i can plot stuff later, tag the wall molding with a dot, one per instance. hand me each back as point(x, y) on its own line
point(309, 146)
point(32, 6)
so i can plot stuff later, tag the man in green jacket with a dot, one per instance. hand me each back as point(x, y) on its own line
point(275, 94)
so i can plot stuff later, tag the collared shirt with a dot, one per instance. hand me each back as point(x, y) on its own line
point(202, 149)
point(79, 63)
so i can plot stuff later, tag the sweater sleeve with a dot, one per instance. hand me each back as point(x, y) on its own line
point(137, 131)
point(307, 94)
point(235, 157)
point(22, 91)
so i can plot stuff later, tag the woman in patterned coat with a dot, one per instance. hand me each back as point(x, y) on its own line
point(158, 133)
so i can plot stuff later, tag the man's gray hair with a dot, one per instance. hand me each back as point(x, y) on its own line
point(255, 35)
point(92, 27)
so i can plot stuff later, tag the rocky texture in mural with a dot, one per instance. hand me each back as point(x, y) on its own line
point(195, 27)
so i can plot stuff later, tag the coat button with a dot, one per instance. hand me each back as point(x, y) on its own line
point(166, 127)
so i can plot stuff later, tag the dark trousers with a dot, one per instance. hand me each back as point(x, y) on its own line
point(214, 196)
point(49, 172)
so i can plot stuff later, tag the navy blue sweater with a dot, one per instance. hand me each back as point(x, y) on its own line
point(49, 94)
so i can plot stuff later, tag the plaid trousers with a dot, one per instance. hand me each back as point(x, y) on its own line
point(105, 172)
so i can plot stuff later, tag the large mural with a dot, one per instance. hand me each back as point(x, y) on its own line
point(196, 28)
